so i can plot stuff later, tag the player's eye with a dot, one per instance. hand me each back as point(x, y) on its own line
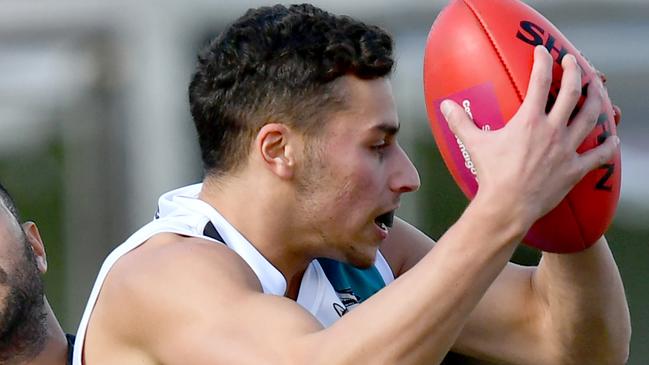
point(380, 147)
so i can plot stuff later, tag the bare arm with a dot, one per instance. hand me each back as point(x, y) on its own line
point(190, 301)
point(571, 309)
point(587, 307)
point(179, 300)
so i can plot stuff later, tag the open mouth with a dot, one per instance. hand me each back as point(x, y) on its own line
point(385, 220)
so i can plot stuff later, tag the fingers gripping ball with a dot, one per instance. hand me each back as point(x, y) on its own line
point(479, 53)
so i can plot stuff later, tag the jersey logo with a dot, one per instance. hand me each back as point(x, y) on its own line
point(349, 300)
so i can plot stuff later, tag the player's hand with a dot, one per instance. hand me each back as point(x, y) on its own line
point(617, 112)
point(529, 166)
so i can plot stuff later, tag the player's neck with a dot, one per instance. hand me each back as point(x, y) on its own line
point(264, 214)
point(56, 346)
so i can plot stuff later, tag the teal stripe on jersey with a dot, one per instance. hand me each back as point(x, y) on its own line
point(363, 282)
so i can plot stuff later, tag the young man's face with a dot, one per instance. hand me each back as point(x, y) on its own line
point(22, 326)
point(356, 172)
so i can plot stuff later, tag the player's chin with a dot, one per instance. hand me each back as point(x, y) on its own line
point(364, 262)
point(363, 257)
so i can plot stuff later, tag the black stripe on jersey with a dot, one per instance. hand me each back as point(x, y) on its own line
point(211, 232)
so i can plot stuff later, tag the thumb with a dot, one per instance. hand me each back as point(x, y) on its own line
point(458, 121)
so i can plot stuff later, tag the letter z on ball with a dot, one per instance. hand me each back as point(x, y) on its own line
point(480, 53)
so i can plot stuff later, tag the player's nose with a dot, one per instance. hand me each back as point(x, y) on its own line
point(405, 178)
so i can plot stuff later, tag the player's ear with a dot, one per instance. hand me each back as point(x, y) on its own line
point(35, 241)
point(276, 146)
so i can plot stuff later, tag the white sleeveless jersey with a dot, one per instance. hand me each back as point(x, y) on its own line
point(328, 288)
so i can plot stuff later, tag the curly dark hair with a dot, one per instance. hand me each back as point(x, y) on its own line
point(278, 64)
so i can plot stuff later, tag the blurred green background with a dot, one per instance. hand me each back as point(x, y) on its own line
point(94, 122)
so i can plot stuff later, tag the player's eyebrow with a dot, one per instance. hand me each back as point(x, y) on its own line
point(390, 129)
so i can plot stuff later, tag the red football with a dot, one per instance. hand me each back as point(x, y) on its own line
point(479, 53)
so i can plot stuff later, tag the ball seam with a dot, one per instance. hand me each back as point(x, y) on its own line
point(492, 40)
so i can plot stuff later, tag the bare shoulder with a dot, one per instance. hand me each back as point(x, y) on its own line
point(151, 292)
point(405, 246)
point(170, 258)
point(169, 268)
point(170, 300)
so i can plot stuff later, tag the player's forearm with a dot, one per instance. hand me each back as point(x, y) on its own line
point(587, 308)
point(421, 313)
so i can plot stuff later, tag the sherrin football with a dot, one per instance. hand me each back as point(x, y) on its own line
point(479, 53)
